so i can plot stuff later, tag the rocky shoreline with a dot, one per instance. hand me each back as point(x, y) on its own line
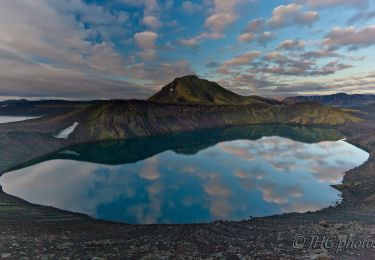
point(35, 232)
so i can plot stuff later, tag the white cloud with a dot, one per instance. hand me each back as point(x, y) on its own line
point(265, 37)
point(191, 42)
point(151, 14)
point(332, 3)
point(285, 65)
point(291, 14)
point(255, 25)
point(45, 51)
point(350, 37)
point(151, 7)
point(255, 31)
point(246, 37)
point(57, 58)
point(223, 15)
point(218, 22)
point(147, 42)
point(190, 8)
point(152, 21)
point(194, 41)
point(244, 59)
point(291, 45)
point(151, 11)
point(225, 6)
point(161, 74)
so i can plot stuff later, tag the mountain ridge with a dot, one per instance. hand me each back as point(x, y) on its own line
point(45, 107)
point(132, 119)
point(338, 99)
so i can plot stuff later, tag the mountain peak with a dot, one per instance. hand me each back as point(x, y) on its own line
point(188, 77)
point(189, 81)
point(191, 89)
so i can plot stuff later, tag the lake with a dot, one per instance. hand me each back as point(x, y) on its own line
point(203, 176)
point(9, 119)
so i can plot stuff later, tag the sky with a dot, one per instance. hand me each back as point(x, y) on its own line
point(96, 49)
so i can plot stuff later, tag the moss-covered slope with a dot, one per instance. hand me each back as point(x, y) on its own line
point(193, 90)
point(128, 119)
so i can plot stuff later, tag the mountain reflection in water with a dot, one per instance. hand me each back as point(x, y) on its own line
point(208, 175)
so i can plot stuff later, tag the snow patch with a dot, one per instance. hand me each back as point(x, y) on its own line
point(64, 134)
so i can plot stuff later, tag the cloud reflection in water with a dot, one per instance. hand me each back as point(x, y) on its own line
point(232, 180)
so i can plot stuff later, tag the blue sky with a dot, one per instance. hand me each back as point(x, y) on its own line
point(130, 48)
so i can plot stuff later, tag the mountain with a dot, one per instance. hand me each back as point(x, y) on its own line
point(193, 90)
point(339, 99)
point(126, 119)
point(23, 107)
point(130, 119)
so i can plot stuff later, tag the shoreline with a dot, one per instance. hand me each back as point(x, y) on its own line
point(63, 234)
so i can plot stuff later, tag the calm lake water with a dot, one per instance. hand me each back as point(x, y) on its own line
point(8, 119)
point(228, 174)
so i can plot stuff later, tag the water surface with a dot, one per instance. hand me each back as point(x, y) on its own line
point(203, 176)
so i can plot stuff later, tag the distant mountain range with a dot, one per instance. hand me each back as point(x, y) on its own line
point(340, 100)
point(184, 91)
point(23, 107)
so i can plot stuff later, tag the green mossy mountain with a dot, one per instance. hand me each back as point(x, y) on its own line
point(126, 119)
point(114, 120)
point(193, 90)
point(131, 119)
